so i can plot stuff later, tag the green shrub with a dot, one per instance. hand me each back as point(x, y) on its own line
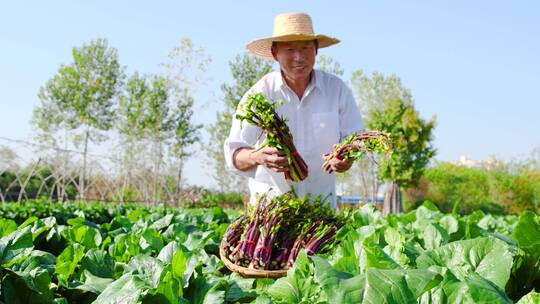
point(207, 198)
point(499, 190)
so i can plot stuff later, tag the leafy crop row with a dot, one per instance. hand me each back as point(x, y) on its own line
point(60, 253)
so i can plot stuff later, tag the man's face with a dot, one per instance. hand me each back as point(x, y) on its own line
point(296, 58)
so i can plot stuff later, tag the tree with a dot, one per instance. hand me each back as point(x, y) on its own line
point(145, 116)
point(535, 158)
point(411, 146)
point(132, 117)
point(328, 64)
point(246, 71)
point(8, 159)
point(152, 111)
point(157, 123)
point(186, 68)
point(132, 108)
point(186, 133)
point(370, 91)
point(159, 109)
point(80, 98)
point(385, 104)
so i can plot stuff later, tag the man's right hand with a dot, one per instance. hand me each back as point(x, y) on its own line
point(271, 158)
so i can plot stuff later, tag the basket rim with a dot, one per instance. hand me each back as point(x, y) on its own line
point(249, 272)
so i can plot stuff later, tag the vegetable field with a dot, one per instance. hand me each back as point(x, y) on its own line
point(97, 253)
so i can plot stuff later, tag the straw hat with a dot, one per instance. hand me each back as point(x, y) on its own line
point(289, 27)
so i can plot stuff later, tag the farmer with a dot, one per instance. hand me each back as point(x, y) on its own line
point(320, 111)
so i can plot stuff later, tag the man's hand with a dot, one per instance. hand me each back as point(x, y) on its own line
point(271, 158)
point(340, 166)
point(337, 165)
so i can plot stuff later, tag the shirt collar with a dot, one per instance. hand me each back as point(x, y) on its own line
point(315, 81)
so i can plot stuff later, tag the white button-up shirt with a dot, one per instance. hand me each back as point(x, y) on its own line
point(326, 114)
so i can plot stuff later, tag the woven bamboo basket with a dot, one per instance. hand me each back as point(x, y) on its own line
point(249, 272)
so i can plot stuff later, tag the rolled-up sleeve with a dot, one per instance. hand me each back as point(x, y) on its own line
point(242, 135)
point(349, 117)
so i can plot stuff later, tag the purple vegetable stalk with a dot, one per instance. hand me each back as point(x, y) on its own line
point(263, 251)
point(233, 233)
point(244, 251)
point(283, 250)
point(301, 241)
point(319, 240)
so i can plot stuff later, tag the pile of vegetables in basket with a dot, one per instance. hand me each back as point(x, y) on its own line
point(270, 235)
point(357, 145)
point(260, 112)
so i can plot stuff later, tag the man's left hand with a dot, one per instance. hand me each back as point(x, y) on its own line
point(337, 165)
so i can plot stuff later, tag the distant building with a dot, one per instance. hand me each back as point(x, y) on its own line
point(356, 200)
point(490, 163)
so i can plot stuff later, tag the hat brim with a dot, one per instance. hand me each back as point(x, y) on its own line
point(262, 47)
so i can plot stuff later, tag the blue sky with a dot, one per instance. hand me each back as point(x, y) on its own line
point(473, 64)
